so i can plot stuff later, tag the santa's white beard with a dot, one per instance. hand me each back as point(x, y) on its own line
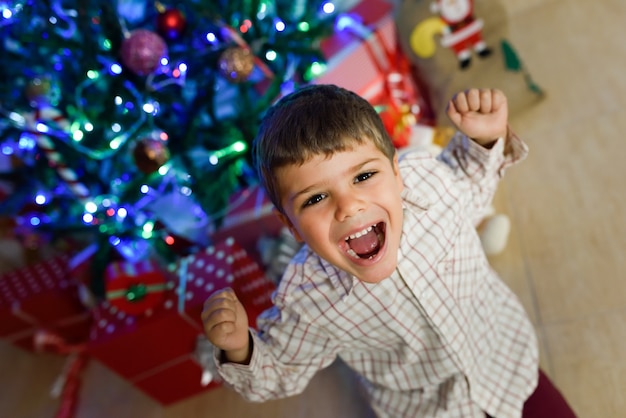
point(454, 10)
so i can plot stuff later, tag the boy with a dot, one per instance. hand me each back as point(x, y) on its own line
point(392, 277)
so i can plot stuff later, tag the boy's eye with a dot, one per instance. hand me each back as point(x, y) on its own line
point(364, 176)
point(313, 200)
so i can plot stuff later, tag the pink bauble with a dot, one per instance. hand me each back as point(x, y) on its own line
point(142, 51)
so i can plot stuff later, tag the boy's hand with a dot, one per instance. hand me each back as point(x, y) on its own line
point(481, 114)
point(226, 325)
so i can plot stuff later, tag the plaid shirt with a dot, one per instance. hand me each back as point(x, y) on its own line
point(442, 337)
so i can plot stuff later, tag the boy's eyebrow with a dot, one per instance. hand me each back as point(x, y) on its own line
point(354, 168)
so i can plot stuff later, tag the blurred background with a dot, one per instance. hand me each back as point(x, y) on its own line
point(127, 193)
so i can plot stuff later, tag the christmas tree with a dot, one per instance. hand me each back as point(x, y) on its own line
point(128, 123)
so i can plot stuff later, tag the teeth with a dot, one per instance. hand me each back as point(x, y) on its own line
point(360, 233)
point(352, 253)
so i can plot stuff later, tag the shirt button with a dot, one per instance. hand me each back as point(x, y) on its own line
point(446, 266)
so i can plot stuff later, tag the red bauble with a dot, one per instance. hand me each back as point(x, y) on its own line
point(171, 23)
point(142, 51)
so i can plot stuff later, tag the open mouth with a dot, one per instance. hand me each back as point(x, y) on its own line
point(367, 243)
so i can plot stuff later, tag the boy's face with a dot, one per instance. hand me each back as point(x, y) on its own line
point(347, 208)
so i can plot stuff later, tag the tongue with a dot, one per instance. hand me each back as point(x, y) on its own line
point(365, 244)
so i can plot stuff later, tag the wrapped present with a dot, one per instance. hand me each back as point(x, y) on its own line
point(136, 287)
point(42, 296)
point(250, 217)
point(365, 56)
point(156, 350)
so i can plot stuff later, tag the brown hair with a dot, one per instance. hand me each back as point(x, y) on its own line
point(314, 120)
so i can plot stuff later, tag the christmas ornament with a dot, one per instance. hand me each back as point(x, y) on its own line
point(231, 34)
point(135, 288)
point(236, 64)
point(42, 90)
point(171, 23)
point(150, 154)
point(36, 88)
point(142, 51)
point(463, 32)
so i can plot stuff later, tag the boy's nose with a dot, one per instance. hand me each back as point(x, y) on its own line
point(348, 205)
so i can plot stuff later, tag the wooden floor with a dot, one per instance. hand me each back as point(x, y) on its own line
point(565, 257)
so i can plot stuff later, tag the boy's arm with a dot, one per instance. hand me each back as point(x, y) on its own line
point(278, 361)
point(480, 114)
point(286, 354)
point(482, 149)
point(226, 325)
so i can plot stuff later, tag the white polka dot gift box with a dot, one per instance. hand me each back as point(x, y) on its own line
point(154, 348)
point(42, 297)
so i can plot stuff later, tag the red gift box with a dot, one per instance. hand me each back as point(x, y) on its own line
point(42, 296)
point(155, 350)
point(133, 288)
point(365, 56)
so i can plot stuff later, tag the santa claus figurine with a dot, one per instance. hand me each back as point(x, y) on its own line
point(462, 32)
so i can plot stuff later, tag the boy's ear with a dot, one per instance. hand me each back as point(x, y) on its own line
point(285, 220)
point(396, 171)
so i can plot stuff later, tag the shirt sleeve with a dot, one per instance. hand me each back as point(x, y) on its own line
point(477, 169)
point(287, 352)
